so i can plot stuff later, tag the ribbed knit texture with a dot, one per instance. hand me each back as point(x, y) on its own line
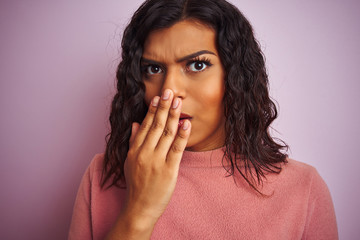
point(208, 204)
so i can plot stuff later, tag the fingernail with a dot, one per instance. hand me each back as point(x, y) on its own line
point(185, 125)
point(166, 94)
point(175, 103)
point(155, 101)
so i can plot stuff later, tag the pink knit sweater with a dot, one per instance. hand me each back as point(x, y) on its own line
point(208, 205)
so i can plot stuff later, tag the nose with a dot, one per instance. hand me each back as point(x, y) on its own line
point(174, 79)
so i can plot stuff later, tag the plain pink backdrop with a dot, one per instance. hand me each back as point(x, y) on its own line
point(57, 65)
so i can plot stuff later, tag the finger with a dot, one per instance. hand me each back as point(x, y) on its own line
point(160, 119)
point(147, 122)
point(134, 129)
point(171, 127)
point(178, 146)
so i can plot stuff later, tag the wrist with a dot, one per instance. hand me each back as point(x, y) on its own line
point(137, 222)
point(130, 225)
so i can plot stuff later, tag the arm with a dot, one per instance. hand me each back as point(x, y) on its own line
point(321, 220)
point(80, 228)
point(151, 168)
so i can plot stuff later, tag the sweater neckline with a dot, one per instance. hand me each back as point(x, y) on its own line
point(211, 158)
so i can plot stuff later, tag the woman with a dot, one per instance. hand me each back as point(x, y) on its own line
point(202, 164)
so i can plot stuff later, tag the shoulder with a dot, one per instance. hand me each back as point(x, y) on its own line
point(295, 166)
point(301, 175)
point(300, 184)
point(298, 170)
point(295, 176)
point(95, 168)
point(97, 162)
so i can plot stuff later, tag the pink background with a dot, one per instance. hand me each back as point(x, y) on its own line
point(57, 63)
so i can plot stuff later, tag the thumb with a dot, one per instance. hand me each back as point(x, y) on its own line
point(134, 128)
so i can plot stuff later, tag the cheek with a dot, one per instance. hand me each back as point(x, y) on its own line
point(211, 94)
point(151, 90)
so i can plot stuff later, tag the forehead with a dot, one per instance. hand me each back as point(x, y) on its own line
point(182, 38)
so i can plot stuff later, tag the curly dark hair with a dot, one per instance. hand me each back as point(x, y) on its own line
point(249, 111)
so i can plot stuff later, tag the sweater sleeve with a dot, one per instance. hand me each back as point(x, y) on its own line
point(321, 220)
point(81, 227)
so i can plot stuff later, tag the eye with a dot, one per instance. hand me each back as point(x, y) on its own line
point(198, 65)
point(153, 69)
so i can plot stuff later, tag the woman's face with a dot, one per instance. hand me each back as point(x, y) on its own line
point(184, 58)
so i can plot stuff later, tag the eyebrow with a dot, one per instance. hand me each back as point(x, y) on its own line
point(148, 61)
point(182, 59)
point(194, 55)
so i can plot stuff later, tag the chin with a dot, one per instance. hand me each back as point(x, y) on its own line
point(190, 144)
